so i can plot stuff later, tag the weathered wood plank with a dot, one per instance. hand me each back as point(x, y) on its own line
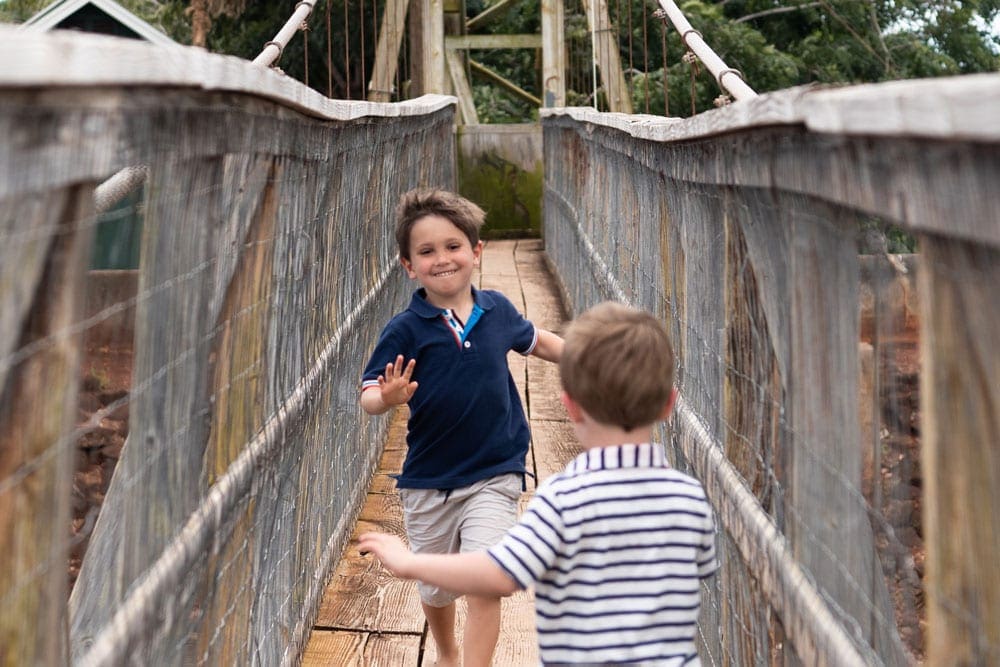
point(553, 54)
point(239, 390)
point(461, 88)
point(362, 595)
point(555, 445)
point(543, 402)
point(498, 258)
point(960, 420)
point(175, 239)
point(37, 415)
point(336, 648)
point(24, 261)
point(391, 462)
point(382, 85)
point(827, 521)
point(75, 59)
point(517, 645)
point(493, 41)
point(605, 38)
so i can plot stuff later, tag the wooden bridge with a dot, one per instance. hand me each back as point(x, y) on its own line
point(825, 259)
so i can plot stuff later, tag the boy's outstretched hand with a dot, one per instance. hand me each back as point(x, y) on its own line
point(389, 549)
point(395, 385)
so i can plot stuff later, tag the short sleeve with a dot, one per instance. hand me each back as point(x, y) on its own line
point(391, 343)
point(522, 334)
point(532, 546)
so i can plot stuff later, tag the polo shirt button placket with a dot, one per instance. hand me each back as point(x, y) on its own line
point(468, 344)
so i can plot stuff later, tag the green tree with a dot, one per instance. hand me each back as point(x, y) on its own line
point(774, 43)
point(19, 11)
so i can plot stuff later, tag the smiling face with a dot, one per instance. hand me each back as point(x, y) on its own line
point(442, 259)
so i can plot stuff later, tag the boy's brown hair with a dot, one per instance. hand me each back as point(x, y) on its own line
point(421, 202)
point(618, 365)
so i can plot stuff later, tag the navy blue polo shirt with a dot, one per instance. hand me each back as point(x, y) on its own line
point(466, 419)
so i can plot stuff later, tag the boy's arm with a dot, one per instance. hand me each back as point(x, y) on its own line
point(549, 346)
point(394, 388)
point(466, 573)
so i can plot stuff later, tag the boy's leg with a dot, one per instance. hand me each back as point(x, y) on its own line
point(432, 527)
point(482, 629)
point(441, 621)
point(489, 511)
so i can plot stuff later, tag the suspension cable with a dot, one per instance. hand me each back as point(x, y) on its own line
point(729, 79)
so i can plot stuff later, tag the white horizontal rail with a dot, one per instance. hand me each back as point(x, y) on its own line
point(68, 59)
point(728, 78)
point(272, 50)
point(957, 108)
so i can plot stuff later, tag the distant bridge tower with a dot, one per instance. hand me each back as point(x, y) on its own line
point(441, 38)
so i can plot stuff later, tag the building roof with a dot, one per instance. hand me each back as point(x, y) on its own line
point(53, 17)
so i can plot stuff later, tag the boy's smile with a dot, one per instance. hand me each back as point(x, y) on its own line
point(442, 259)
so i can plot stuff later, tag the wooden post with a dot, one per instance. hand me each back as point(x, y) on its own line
point(608, 59)
point(553, 54)
point(427, 34)
point(37, 411)
point(463, 91)
point(960, 424)
point(390, 36)
point(240, 367)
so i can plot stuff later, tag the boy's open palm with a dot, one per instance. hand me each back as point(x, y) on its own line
point(395, 386)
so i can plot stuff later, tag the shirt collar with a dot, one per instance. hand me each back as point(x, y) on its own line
point(427, 310)
point(644, 455)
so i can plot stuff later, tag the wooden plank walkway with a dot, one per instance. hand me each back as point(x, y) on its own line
point(367, 618)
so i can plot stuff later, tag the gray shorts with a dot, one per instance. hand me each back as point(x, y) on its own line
point(469, 518)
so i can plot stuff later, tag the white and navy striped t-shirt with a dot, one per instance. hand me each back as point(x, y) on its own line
point(615, 547)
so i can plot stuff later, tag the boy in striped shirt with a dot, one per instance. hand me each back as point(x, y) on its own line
point(615, 546)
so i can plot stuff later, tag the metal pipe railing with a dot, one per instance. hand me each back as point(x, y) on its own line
point(729, 79)
point(272, 50)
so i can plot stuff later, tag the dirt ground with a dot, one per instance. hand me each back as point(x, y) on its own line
point(896, 501)
point(106, 377)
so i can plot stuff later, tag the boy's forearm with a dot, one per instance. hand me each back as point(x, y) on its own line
point(472, 573)
point(549, 346)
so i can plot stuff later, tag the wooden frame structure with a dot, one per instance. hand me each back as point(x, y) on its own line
point(439, 36)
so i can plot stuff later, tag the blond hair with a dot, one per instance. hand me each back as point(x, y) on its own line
point(422, 202)
point(618, 365)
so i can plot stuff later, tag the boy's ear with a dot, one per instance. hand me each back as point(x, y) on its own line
point(477, 253)
point(573, 409)
point(408, 266)
point(669, 407)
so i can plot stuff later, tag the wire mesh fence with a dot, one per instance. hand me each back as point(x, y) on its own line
point(797, 282)
point(182, 451)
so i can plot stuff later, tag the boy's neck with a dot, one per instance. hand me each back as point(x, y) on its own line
point(593, 435)
point(460, 304)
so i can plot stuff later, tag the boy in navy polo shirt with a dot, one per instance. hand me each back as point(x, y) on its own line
point(617, 543)
point(467, 436)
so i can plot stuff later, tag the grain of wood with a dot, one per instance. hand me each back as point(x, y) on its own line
point(340, 648)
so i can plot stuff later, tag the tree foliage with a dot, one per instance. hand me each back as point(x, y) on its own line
point(774, 43)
